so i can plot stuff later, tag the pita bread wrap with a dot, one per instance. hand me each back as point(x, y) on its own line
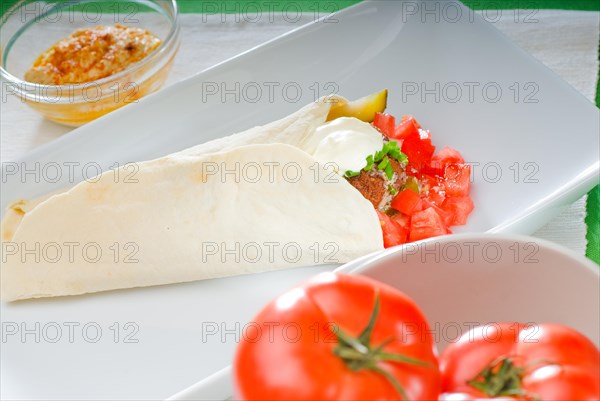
point(297, 129)
point(251, 202)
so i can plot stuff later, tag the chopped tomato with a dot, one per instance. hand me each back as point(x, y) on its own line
point(407, 126)
point(460, 208)
point(457, 179)
point(433, 188)
point(436, 195)
point(393, 233)
point(407, 117)
point(406, 201)
point(447, 216)
point(436, 192)
point(420, 206)
point(426, 224)
point(402, 219)
point(386, 123)
point(428, 181)
point(446, 156)
point(432, 170)
point(419, 151)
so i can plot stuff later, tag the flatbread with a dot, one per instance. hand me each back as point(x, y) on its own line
point(187, 219)
point(297, 129)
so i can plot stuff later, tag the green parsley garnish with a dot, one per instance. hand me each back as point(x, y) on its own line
point(384, 163)
point(397, 154)
point(389, 171)
point(390, 149)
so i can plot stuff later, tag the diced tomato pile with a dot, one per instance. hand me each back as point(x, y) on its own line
point(438, 194)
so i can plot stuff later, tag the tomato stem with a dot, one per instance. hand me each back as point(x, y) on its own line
point(392, 380)
point(386, 356)
point(357, 352)
point(365, 335)
point(501, 378)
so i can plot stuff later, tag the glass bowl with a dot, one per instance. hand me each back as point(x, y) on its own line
point(29, 28)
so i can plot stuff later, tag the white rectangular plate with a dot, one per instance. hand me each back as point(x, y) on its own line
point(534, 150)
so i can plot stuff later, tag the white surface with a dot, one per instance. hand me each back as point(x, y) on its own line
point(170, 354)
point(471, 274)
point(218, 386)
point(565, 41)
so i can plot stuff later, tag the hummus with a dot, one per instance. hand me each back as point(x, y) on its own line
point(91, 54)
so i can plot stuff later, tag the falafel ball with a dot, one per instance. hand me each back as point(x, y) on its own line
point(375, 186)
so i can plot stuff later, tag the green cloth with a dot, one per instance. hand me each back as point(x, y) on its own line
point(250, 6)
point(582, 5)
point(592, 218)
point(235, 6)
point(197, 6)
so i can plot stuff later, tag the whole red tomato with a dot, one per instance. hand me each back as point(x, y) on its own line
point(546, 362)
point(338, 337)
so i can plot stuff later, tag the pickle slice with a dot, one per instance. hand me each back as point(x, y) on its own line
point(364, 108)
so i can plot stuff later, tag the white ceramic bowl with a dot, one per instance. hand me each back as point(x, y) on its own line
point(464, 280)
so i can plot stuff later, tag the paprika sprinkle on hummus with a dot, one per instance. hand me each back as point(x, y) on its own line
point(92, 53)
